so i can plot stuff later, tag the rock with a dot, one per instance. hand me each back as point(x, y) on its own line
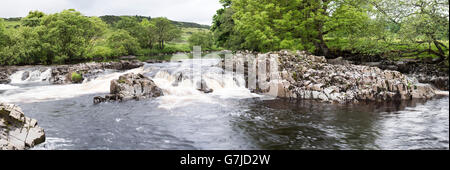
point(25, 75)
point(434, 74)
point(203, 87)
point(131, 86)
point(338, 61)
point(5, 72)
point(18, 132)
point(151, 61)
point(62, 74)
point(4, 78)
point(305, 76)
point(128, 58)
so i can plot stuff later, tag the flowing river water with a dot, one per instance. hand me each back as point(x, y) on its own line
point(231, 117)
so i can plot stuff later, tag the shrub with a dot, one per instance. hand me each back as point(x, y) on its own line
point(76, 78)
point(101, 52)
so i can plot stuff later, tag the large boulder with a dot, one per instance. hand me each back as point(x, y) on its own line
point(131, 86)
point(18, 132)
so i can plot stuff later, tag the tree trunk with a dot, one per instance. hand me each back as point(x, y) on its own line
point(321, 46)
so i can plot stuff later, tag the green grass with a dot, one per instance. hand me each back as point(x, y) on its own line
point(12, 24)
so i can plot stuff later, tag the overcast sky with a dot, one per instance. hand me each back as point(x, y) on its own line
point(199, 11)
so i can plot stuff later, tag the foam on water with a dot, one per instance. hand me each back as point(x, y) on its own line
point(57, 92)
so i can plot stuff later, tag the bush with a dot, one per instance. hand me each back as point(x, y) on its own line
point(76, 78)
point(122, 43)
point(101, 52)
point(202, 39)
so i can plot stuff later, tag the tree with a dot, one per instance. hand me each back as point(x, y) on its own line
point(33, 19)
point(132, 25)
point(23, 47)
point(223, 27)
point(149, 36)
point(69, 35)
point(271, 25)
point(165, 31)
point(3, 36)
point(122, 43)
point(203, 39)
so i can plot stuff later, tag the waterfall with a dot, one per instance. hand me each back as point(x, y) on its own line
point(31, 75)
point(180, 83)
point(48, 92)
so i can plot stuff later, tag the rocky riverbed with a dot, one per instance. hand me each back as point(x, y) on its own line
point(61, 74)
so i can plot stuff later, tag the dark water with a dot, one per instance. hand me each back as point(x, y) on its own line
point(242, 124)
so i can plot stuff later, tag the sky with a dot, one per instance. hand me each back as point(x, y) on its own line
point(198, 11)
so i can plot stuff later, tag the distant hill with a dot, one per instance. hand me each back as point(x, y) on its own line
point(111, 19)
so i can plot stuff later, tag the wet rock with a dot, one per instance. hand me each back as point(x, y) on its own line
point(25, 75)
point(131, 86)
point(18, 132)
point(128, 58)
point(5, 72)
point(4, 78)
point(203, 87)
point(62, 74)
point(151, 61)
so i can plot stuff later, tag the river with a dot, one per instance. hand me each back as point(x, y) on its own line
point(229, 118)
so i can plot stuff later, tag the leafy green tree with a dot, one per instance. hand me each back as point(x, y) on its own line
point(165, 31)
point(149, 36)
point(33, 19)
point(271, 25)
point(203, 39)
point(420, 22)
point(223, 27)
point(3, 36)
point(23, 48)
point(122, 43)
point(68, 36)
point(130, 24)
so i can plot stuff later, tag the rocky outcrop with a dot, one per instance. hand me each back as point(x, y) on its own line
point(5, 72)
point(434, 74)
point(62, 74)
point(131, 86)
point(304, 76)
point(18, 132)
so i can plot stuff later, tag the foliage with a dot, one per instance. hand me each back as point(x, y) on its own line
point(122, 43)
point(33, 19)
point(388, 28)
point(165, 31)
point(23, 47)
point(68, 35)
point(101, 52)
point(203, 39)
point(76, 78)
